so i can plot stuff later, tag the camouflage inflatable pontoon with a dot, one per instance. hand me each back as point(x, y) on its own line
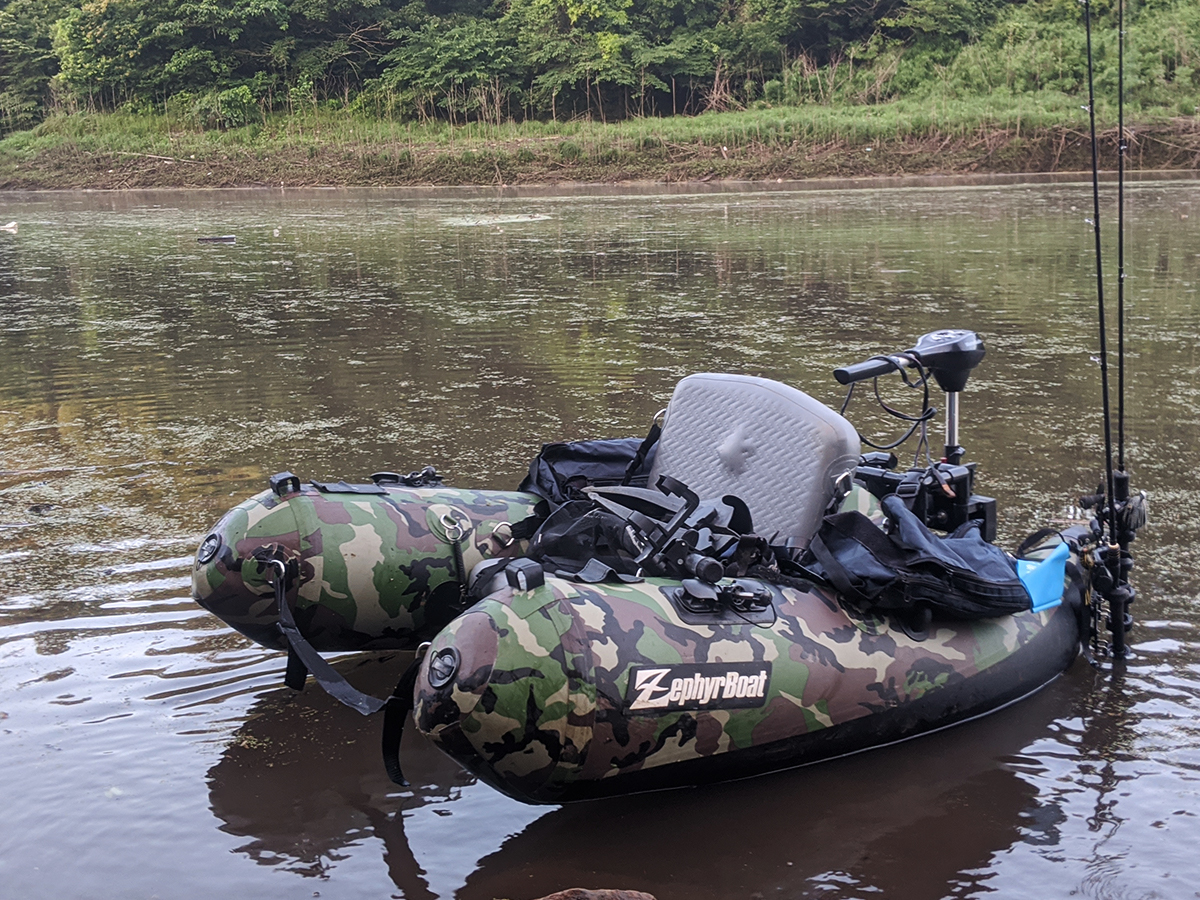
point(742, 613)
point(375, 566)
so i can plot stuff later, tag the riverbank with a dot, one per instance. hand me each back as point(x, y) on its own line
point(126, 151)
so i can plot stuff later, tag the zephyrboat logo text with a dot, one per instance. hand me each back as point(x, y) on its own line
point(698, 686)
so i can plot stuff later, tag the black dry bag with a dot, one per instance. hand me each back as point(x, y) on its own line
point(960, 576)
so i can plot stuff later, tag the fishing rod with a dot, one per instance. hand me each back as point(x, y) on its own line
point(1125, 515)
point(1122, 146)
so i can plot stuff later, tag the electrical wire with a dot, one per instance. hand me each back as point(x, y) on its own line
point(921, 382)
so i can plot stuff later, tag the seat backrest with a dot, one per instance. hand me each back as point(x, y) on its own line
point(773, 446)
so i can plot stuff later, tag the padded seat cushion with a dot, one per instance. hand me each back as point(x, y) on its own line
point(772, 445)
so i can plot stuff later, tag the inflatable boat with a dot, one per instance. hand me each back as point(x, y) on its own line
point(740, 592)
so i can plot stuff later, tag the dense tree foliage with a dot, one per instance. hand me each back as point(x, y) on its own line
point(226, 62)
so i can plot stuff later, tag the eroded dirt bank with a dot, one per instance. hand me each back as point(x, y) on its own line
point(1171, 146)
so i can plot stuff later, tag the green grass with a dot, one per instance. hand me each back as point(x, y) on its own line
point(158, 133)
point(638, 147)
point(167, 135)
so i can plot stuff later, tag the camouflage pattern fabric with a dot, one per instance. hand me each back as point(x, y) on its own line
point(573, 691)
point(376, 571)
point(859, 499)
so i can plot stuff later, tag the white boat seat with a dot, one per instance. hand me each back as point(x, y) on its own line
point(772, 445)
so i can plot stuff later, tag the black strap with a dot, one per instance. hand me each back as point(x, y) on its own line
point(527, 527)
point(297, 672)
point(341, 487)
point(596, 572)
point(1035, 539)
point(834, 572)
point(395, 714)
point(301, 655)
point(460, 566)
point(639, 458)
point(909, 487)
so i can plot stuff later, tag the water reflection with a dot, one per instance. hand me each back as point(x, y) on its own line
point(862, 825)
point(302, 778)
point(933, 817)
point(147, 382)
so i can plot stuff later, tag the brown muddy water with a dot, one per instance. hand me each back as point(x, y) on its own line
point(148, 382)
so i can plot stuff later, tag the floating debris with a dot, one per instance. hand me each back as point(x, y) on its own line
point(220, 239)
point(11, 227)
point(496, 219)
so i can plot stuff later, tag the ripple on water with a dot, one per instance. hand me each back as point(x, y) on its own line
point(147, 383)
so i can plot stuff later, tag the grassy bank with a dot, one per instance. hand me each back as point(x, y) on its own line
point(1006, 133)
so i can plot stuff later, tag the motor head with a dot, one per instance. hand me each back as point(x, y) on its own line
point(951, 354)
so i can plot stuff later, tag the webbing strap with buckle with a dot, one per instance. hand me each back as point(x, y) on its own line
point(302, 658)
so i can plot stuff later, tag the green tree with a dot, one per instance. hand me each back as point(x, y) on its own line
point(27, 61)
point(463, 66)
point(577, 51)
point(119, 51)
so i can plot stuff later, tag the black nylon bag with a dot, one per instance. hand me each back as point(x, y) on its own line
point(960, 576)
point(562, 470)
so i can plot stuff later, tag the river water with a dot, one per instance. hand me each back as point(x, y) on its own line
point(149, 381)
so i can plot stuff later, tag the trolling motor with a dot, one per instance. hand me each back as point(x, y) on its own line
point(940, 493)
